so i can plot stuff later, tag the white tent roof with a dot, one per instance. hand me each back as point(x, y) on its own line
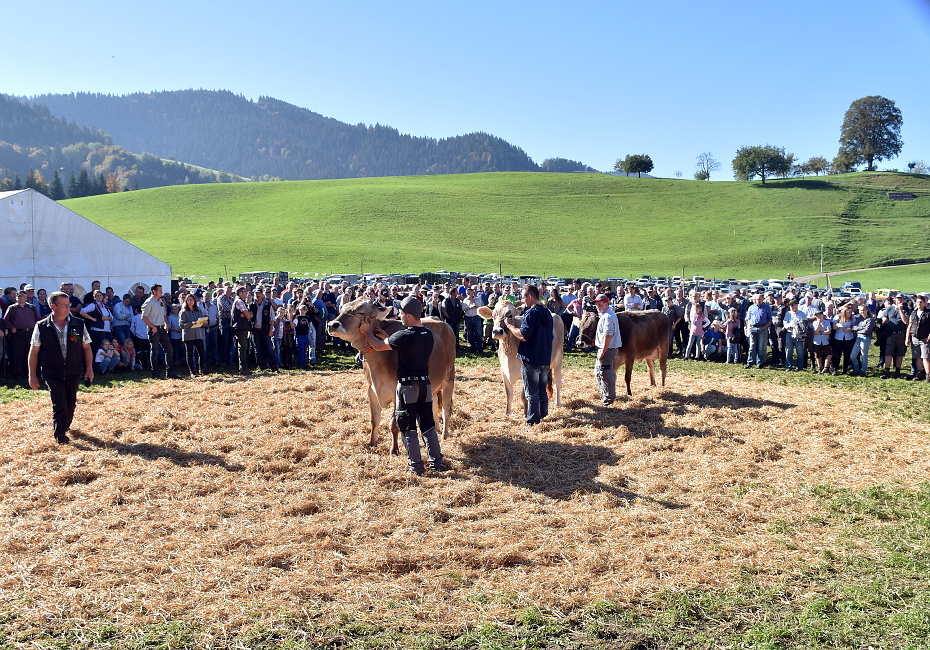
point(46, 244)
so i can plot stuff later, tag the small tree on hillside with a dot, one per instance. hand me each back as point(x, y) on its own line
point(637, 164)
point(760, 161)
point(815, 165)
point(706, 163)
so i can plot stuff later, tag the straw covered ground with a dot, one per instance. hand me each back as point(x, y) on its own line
point(227, 502)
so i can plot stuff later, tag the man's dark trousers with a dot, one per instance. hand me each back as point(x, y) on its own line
point(160, 337)
point(64, 400)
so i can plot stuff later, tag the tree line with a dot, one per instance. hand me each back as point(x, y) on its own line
point(871, 132)
point(269, 138)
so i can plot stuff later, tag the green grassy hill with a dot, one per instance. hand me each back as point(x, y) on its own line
point(560, 224)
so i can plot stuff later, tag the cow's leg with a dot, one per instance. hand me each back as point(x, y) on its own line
point(446, 396)
point(508, 391)
point(395, 431)
point(628, 375)
point(375, 414)
point(663, 362)
point(652, 371)
point(557, 377)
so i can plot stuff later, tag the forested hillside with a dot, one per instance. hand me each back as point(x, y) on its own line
point(268, 138)
point(40, 151)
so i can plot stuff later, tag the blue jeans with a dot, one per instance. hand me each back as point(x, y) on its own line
point(573, 336)
point(276, 346)
point(535, 379)
point(227, 349)
point(694, 343)
point(792, 344)
point(108, 365)
point(210, 337)
point(732, 351)
point(861, 347)
point(758, 339)
point(473, 333)
point(121, 333)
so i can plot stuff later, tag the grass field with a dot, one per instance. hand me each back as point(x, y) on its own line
point(913, 277)
point(731, 509)
point(559, 224)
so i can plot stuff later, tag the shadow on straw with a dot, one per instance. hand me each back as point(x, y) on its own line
point(557, 470)
point(149, 451)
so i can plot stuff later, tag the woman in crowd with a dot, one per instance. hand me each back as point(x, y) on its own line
point(821, 329)
point(192, 334)
point(42, 303)
point(122, 314)
point(843, 339)
point(286, 314)
point(863, 326)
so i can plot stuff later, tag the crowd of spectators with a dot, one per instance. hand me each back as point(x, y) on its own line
point(275, 324)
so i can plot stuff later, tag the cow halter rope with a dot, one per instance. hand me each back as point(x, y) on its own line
point(365, 349)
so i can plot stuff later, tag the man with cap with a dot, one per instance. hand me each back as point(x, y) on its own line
point(413, 402)
point(21, 317)
point(535, 353)
point(607, 340)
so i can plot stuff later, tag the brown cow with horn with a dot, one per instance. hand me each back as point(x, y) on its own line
point(381, 367)
point(644, 336)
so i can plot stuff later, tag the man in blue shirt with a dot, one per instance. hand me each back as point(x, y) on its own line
point(535, 351)
point(758, 319)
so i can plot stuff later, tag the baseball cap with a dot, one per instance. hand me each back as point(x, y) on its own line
point(411, 306)
point(601, 298)
point(28, 287)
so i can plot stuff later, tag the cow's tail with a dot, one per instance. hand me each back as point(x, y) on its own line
point(549, 389)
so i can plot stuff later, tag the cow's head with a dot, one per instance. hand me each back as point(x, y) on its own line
point(346, 324)
point(587, 329)
point(503, 310)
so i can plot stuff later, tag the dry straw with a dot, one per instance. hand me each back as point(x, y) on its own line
point(226, 502)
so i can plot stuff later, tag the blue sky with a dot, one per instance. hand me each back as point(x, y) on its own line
point(589, 81)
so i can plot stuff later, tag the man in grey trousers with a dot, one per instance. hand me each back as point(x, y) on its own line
point(607, 340)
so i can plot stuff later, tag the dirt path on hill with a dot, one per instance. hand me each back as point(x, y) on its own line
point(808, 278)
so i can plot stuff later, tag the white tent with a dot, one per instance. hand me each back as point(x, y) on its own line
point(45, 244)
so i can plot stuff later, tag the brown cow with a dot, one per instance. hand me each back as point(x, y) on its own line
point(644, 336)
point(507, 350)
point(381, 367)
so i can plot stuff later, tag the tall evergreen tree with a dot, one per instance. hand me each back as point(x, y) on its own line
point(72, 186)
point(55, 190)
point(85, 186)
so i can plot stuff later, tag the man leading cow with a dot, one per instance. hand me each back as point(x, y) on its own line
point(413, 402)
point(535, 353)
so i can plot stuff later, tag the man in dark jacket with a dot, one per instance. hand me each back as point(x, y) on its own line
point(535, 351)
point(263, 314)
point(61, 348)
point(21, 317)
point(452, 305)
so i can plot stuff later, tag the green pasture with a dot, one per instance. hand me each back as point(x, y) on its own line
point(549, 224)
point(910, 278)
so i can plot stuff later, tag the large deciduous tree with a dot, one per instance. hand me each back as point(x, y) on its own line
point(871, 131)
point(760, 161)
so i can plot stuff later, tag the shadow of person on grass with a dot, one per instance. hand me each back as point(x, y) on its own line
point(149, 451)
point(557, 470)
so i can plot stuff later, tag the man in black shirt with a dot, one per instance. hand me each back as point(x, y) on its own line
point(413, 402)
